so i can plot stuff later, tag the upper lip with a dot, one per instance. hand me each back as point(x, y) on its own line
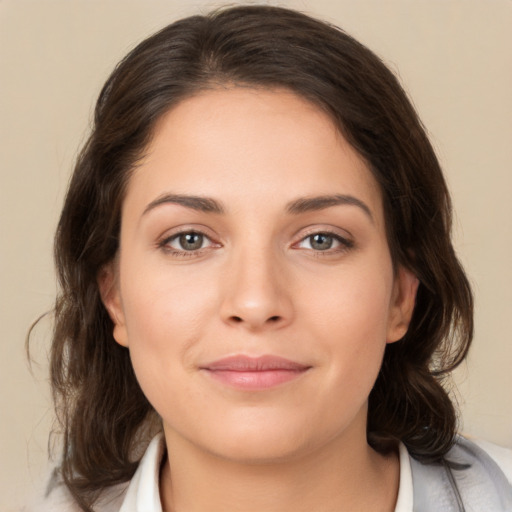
point(243, 363)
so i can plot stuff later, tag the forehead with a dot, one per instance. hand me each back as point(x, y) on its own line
point(262, 143)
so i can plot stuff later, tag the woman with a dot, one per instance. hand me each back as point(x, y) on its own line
point(257, 273)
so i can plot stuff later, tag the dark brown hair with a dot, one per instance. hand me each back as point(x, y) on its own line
point(104, 414)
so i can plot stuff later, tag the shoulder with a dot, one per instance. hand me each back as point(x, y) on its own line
point(142, 488)
point(54, 496)
point(471, 473)
point(51, 495)
point(502, 456)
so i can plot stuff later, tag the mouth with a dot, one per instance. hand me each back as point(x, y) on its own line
point(254, 373)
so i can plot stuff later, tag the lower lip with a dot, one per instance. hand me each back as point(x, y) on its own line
point(255, 380)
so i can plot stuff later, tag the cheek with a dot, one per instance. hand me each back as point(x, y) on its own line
point(158, 303)
point(349, 316)
point(165, 318)
point(355, 304)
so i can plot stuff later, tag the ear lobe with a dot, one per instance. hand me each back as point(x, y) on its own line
point(110, 296)
point(402, 307)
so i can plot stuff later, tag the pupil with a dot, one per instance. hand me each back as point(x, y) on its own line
point(321, 242)
point(191, 241)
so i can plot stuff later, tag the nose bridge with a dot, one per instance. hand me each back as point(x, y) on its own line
point(256, 294)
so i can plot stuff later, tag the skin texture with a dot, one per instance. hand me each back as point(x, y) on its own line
point(258, 285)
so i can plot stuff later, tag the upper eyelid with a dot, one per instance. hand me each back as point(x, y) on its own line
point(336, 232)
point(175, 234)
point(180, 230)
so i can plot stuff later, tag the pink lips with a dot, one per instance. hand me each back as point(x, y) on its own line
point(253, 373)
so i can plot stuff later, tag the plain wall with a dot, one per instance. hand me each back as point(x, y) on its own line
point(454, 58)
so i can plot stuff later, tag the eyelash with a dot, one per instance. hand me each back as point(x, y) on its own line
point(345, 244)
point(164, 244)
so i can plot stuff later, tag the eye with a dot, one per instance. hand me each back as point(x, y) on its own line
point(186, 242)
point(324, 241)
point(320, 241)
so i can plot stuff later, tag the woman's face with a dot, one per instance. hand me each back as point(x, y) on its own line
point(254, 287)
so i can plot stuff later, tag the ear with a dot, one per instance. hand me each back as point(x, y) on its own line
point(402, 306)
point(108, 285)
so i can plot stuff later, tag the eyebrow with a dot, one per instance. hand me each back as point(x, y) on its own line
point(309, 204)
point(202, 204)
point(296, 207)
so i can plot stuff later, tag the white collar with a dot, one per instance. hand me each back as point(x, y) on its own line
point(405, 489)
point(143, 493)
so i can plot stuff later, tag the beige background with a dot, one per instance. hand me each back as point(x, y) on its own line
point(455, 59)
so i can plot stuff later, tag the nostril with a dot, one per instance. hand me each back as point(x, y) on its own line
point(273, 319)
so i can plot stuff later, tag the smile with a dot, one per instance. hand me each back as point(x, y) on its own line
point(254, 373)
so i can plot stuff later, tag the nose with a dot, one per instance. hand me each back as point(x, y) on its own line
point(256, 295)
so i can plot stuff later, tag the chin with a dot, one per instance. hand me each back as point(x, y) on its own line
point(267, 442)
point(262, 450)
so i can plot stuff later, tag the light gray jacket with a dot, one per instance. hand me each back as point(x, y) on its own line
point(469, 481)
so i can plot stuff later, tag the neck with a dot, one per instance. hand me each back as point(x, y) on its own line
point(339, 477)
